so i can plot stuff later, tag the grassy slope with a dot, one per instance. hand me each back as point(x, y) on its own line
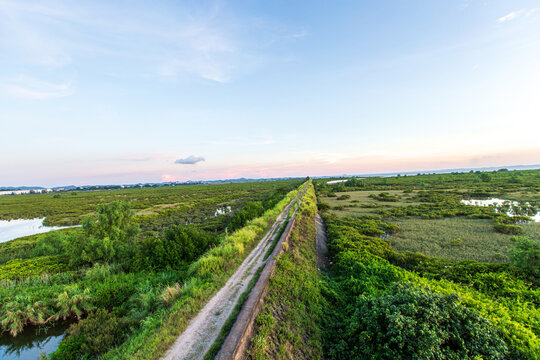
point(289, 324)
point(207, 276)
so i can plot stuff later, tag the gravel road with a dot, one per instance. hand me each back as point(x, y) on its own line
point(204, 328)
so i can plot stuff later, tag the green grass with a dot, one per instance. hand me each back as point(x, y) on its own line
point(437, 238)
point(229, 323)
point(532, 231)
point(289, 325)
point(360, 203)
point(206, 276)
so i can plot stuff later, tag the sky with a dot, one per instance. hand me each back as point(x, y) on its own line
point(112, 92)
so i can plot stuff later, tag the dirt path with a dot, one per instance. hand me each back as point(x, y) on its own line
point(204, 328)
point(321, 240)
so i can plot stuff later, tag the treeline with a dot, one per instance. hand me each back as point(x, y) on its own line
point(487, 183)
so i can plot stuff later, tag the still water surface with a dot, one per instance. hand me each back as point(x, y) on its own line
point(32, 342)
point(13, 229)
point(501, 204)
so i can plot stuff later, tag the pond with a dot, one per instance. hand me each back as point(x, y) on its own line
point(13, 229)
point(511, 208)
point(223, 211)
point(32, 342)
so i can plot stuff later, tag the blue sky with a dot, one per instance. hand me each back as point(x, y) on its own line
point(128, 91)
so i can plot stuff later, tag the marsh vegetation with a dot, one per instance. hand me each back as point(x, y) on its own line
point(125, 275)
point(408, 253)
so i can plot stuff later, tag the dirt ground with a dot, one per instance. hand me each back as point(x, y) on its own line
point(203, 330)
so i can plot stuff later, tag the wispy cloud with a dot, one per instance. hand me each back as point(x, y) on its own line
point(205, 39)
point(190, 160)
point(515, 14)
point(29, 88)
point(243, 142)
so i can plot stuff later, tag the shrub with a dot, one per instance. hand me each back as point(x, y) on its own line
point(384, 196)
point(179, 245)
point(50, 244)
point(91, 337)
point(343, 197)
point(414, 323)
point(485, 177)
point(322, 206)
point(250, 211)
point(526, 255)
point(508, 228)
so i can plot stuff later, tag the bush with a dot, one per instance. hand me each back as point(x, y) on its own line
point(50, 244)
point(414, 323)
point(526, 255)
point(384, 196)
point(485, 177)
point(91, 337)
point(508, 228)
point(179, 245)
point(343, 197)
point(322, 206)
point(250, 211)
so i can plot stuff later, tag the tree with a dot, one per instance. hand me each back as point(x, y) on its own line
point(485, 177)
point(107, 236)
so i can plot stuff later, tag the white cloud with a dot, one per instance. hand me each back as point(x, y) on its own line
point(190, 160)
point(515, 14)
point(29, 88)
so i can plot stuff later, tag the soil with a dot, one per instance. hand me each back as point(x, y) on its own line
point(204, 328)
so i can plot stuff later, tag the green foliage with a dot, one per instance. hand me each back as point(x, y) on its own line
point(526, 255)
point(73, 302)
point(343, 197)
point(205, 276)
point(92, 336)
point(24, 268)
point(37, 293)
point(414, 323)
point(158, 207)
point(485, 177)
point(365, 265)
point(178, 246)
point(107, 236)
point(438, 238)
point(52, 243)
point(322, 206)
point(355, 182)
point(384, 196)
point(290, 323)
point(250, 211)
